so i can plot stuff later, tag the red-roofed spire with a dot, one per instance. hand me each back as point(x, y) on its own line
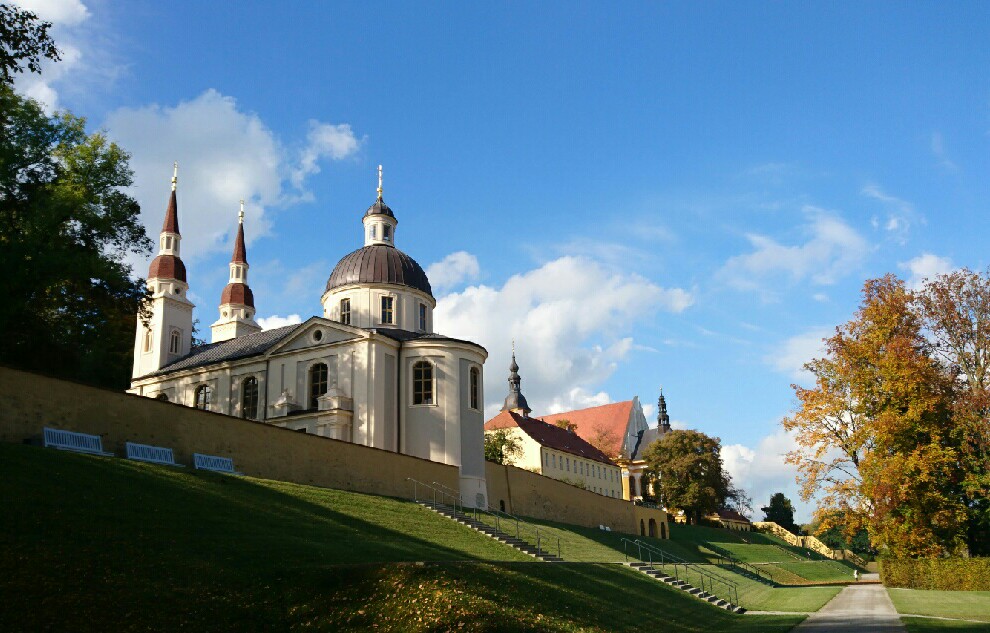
point(171, 224)
point(240, 252)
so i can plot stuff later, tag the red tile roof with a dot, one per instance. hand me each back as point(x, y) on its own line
point(548, 435)
point(731, 515)
point(607, 422)
point(237, 293)
point(167, 267)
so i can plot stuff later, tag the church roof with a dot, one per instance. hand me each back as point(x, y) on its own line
point(730, 515)
point(171, 224)
point(548, 435)
point(233, 349)
point(240, 252)
point(379, 264)
point(406, 335)
point(379, 208)
point(607, 422)
point(237, 293)
point(167, 267)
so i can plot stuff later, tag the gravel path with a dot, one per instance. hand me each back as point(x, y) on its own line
point(857, 609)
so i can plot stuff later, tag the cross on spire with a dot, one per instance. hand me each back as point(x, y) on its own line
point(175, 174)
point(379, 182)
point(240, 214)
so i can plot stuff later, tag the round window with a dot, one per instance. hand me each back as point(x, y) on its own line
point(224, 313)
point(178, 291)
point(318, 335)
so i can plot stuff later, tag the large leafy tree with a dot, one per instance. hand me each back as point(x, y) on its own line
point(502, 447)
point(780, 510)
point(875, 435)
point(687, 473)
point(955, 309)
point(69, 301)
point(24, 41)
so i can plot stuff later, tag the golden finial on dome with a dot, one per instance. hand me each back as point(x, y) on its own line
point(379, 182)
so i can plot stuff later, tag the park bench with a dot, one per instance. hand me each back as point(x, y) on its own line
point(215, 463)
point(79, 442)
point(153, 454)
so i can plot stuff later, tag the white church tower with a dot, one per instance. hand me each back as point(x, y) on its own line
point(237, 300)
point(167, 335)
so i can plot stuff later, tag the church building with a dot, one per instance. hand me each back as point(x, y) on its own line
point(369, 370)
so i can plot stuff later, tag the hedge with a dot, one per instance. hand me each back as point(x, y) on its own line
point(951, 574)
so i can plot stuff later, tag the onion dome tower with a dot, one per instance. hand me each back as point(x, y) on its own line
point(236, 300)
point(515, 401)
point(379, 286)
point(167, 333)
point(663, 420)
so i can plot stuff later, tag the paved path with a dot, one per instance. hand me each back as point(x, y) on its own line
point(857, 609)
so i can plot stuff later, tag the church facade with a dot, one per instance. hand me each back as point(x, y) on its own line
point(369, 370)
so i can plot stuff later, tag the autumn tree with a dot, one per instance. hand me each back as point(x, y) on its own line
point(605, 439)
point(780, 510)
point(874, 433)
point(687, 473)
point(955, 309)
point(502, 447)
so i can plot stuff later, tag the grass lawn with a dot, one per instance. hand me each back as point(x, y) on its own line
point(968, 605)
point(820, 571)
point(927, 625)
point(98, 544)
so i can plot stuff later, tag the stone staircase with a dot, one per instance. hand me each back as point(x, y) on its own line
point(502, 537)
point(663, 577)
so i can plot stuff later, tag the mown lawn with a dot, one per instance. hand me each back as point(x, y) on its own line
point(967, 605)
point(928, 625)
point(98, 544)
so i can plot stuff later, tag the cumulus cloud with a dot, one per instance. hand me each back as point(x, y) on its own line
point(324, 140)
point(794, 352)
point(570, 320)
point(224, 153)
point(761, 472)
point(832, 249)
point(925, 266)
point(275, 321)
point(453, 270)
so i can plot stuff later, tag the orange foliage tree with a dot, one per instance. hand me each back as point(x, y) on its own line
point(875, 434)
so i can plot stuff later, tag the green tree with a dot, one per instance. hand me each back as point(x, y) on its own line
point(781, 511)
point(24, 40)
point(686, 468)
point(69, 301)
point(502, 447)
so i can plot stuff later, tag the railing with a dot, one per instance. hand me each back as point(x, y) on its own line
point(731, 561)
point(654, 556)
point(437, 494)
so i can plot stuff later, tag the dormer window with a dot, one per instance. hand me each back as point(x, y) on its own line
point(387, 233)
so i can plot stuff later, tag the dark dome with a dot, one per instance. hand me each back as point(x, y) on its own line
point(379, 264)
point(379, 208)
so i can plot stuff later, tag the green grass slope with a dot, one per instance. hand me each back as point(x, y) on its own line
point(966, 605)
point(96, 544)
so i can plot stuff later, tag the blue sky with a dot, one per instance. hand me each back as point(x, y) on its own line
point(688, 195)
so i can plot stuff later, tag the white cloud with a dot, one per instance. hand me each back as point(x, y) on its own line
point(67, 18)
point(61, 12)
point(833, 249)
point(324, 140)
point(900, 213)
point(925, 266)
point(938, 149)
point(792, 355)
point(224, 154)
point(453, 270)
point(275, 321)
point(761, 472)
point(576, 398)
point(569, 319)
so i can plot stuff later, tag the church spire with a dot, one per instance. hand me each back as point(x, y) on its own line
point(237, 300)
point(663, 420)
point(515, 401)
point(171, 224)
point(240, 252)
point(379, 221)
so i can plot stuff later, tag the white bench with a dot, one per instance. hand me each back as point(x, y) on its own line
point(215, 463)
point(79, 442)
point(153, 454)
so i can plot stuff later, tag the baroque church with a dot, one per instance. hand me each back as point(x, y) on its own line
point(370, 370)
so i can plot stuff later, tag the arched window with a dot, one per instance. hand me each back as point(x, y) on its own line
point(642, 528)
point(663, 530)
point(204, 396)
point(163, 397)
point(632, 486)
point(653, 528)
point(345, 311)
point(388, 310)
point(422, 317)
point(317, 384)
point(174, 340)
point(475, 388)
point(147, 340)
point(249, 398)
point(387, 232)
point(422, 382)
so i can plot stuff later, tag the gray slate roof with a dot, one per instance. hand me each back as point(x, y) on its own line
point(240, 347)
point(379, 263)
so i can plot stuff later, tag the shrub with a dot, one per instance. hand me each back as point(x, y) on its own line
point(951, 574)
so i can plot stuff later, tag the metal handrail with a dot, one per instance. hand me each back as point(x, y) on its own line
point(436, 491)
point(666, 558)
point(724, 554)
